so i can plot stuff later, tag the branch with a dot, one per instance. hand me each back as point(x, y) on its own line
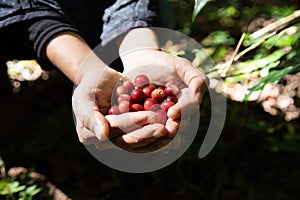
point(229, 63)
point(279, 23)
point(253, 46)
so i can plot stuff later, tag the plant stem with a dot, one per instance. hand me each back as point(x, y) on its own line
point(275, 25)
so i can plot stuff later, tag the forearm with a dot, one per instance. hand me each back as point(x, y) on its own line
point(69, 53)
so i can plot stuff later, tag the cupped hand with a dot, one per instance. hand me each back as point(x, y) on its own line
point(165, 69)
point(134, 131)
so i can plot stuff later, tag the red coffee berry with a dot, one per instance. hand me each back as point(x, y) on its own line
point(137, 107)
point(121, 89)
point(172, 98)
point(142, 95)
point(161, 87)
point(151, 104)
point(166, 105)
point(123, 97)
point(148, 90)
point(114, 110)
point(162, 117)
point(137, 95)
point(128, 85)
point(171, 90)
point(158, 94)
point(155, 107)
point(125, 106)
point(141, 80)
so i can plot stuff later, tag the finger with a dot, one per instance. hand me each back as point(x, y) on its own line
point(84, 134)
point(87, 113)
point(192, 77)
point(172, 125)
point(128, 122)
point(157, 145)
point(185, 106)
point(87, 137)
point(163, 144)
point(141, 137)
point(174, 144)
point(198, 86)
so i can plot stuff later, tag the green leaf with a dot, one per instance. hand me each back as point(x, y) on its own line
point(199, 4)
point(29, 193)
point(33, 190)
point(3, 184)
point(12, 188)
point(290, 66)
point(283, 40)
point(177, 53)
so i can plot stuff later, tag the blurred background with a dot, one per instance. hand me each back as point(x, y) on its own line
point(256, 157)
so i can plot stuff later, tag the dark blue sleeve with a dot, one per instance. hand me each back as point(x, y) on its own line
point(124, 15)
point(13, 11)
point(42, 20)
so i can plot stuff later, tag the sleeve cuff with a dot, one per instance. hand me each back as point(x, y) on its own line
point(41, 32)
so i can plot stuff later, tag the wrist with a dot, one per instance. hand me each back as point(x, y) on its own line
point(71, 55)
point(137, 39)
point(142, 57)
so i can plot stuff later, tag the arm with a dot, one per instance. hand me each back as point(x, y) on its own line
point(68, 51)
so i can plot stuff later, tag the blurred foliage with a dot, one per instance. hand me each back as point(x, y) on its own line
point(20, 187)
point(199, 4)
point(246, 63)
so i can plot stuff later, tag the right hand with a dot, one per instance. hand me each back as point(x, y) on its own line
point(133, 131)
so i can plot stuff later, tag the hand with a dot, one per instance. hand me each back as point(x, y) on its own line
point(166, 68)
point(91, 100)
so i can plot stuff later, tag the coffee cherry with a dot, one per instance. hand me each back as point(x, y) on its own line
point(158, 94)
point(172, 98)
point(171, 90)
point(161, 87)
point(125, 106)
point(141, 80)
point(151, 104)
point(141, 95)
point(137, 95)
point(123, 97)
point(166, 105)
point(162, 117)
point(128, 85)
point(148, 90)
point(137, 107)
point(121, 89)
point(114, 110)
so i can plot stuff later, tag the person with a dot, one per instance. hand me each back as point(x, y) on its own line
point(58, 34)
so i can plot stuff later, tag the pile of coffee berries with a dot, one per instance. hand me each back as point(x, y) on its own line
point(141, 95)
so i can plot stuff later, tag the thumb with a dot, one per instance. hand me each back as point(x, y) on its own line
point(128, 122)
point(87, 113)
point(195, 79)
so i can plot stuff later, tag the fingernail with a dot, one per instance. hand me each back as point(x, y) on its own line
point(198, 97)
point(99, 133)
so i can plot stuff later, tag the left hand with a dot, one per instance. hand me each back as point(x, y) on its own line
point(165, 68)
